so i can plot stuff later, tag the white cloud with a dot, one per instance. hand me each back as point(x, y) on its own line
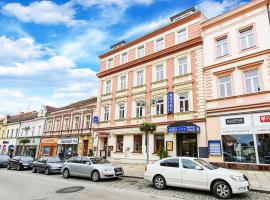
point(43, 12)
point(212, 8)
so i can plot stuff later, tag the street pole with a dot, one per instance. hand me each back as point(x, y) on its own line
point(147, 148)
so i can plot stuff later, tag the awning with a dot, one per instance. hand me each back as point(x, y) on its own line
point(183, 127)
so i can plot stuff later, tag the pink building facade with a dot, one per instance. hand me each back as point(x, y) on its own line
point(156, 78)
point(237, 87)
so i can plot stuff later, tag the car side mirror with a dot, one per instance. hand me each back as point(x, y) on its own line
point(198, 168)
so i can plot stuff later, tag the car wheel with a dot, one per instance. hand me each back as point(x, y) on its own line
point(18, 167)
point(34, 170)
point(8, 167)
point(95, 176)
point(66, 173)
point(159, 182)
point(47, 171)
point(222, 190)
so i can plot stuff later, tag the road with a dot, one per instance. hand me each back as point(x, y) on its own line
point(24, 185)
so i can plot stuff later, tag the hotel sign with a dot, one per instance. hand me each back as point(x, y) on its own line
point(183, 129)
point(170, 102)
point(235, 121)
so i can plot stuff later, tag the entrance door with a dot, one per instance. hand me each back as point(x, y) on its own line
point(103, 152)
point(187, 145)
point(85, 147)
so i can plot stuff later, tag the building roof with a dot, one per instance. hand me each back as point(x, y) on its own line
point(22, 117)
point(84, 102)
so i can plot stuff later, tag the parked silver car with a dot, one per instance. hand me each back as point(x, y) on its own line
point(94, 168)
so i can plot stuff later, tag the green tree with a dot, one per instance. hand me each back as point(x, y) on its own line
point(23, 142)
point(147, 128)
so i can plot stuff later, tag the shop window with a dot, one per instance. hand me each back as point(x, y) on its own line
point(137, 143)
point(238, 148)
point(174, 162)
point(263, 143)
point(225, 86)
point(183, 102)
point(252, 81)
point(46, 150)
point(119, 143)
point(158, 143)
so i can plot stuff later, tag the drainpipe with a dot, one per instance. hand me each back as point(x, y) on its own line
point(268, 11)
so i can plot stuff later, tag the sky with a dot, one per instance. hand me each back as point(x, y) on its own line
point(49, 49)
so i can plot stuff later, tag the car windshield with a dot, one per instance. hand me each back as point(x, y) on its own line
point(206, 164)
point(99, 160)
point(53, 160)
point(27, 159)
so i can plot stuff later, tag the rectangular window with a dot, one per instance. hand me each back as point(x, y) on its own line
point(108, 86)
point(87, 121)
point(119, 143)
point(158, 143)
point(139, 109)
point(140, 51)
point(137, 143)
point(121, 111)
point(123, 82)
point(222, 47)
point(181, 36)
point(225, 86)
point(106, 113)
point(33, 131)
point(160, 44)
point(77, 122)
point(238, 148)
point(159, 72)
point(184, 102)
point(182, 64)
point(252, 81)
point(247, 38)
point(140, 77)
point(66, 126)
point(160, 106)
point(57, 126)
point(110, 63)
point(124, 58)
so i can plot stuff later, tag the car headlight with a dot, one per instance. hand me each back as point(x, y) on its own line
point(108, 170)
point(237, 178)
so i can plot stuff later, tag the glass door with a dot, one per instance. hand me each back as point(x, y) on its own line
point(188, 145)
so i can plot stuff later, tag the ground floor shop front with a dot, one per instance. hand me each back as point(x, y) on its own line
point(30, 148)
point(240, 140)
point(8, 146)
point(128, 145)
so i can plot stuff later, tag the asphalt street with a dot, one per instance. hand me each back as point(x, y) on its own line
point(24, 185)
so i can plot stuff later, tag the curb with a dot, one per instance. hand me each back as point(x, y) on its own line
point(137, 177)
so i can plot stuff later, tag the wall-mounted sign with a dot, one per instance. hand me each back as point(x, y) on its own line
point(239, 120)
point(95, 119)
point(169, 145)
point(183, 129)
point(170, 102)
point(214, 147)
point(5, 142)
point(265, 118)
point(68, 141)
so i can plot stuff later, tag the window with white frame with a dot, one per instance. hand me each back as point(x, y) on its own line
point(57, 126)
point(182, 36)
point(66, 123)
point(110, 63)
point(160, 45)
point(140, 51)
point(222, 46)
point(77, 122)
point(124, 58)
point(106, 113)
point(252, 81)
point(182, 66)
point(108, 86)
point(121, 111)
point(87, 121)
point(140, 77)
point(159, 72)
point(247, 38)
point(123, 82)
point(225, 86)
point(139, 109)
point(183, 101)
point(160, 106)
point(33, 131)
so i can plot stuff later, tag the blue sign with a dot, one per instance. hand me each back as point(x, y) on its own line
point(170, 102)
point(95, 120)
point(183, 129)
point(214, 147)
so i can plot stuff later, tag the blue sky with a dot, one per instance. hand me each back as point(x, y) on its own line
point(49, 49)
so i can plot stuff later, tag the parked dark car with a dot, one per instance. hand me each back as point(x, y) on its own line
point(4, 160)
point(20, 163)
point(48, 165)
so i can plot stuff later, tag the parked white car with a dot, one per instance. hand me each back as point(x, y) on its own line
point(196, 173)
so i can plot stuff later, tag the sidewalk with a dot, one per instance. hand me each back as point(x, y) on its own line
point(259, 180)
